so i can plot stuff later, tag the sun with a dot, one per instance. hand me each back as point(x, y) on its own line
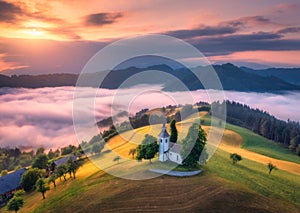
point(35, 32)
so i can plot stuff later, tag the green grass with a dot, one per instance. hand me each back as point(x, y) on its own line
point(256, 143)
point(243, 184)
point(92, 188)
point(222, 186)
point(279, 185)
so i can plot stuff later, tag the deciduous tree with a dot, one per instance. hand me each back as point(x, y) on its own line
point(148, 148)
point(117, 159)
point(72, 167)
point(271, 167)
point(42, 187)
point(61, 171)
point(235, 158)
point(15, 204)
point(40, 162)
point(29, 179)
point(193, 146)
point(52, 179)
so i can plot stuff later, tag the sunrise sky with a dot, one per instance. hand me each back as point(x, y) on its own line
point(60, 36)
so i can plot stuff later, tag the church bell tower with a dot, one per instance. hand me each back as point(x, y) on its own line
point(163, 140)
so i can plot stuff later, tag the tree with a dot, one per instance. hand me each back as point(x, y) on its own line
point(52, 179)
point(29, 179)
point(117, 159)
point(97, 147)
point(42, 187)
point(19, 193)
point(294, 143)
point(271, 167)
point(40, 162)
point(4, 172)
point(298, 150)
point(68, 150)
point(61, 171)
point(72, 167)
point(148, 148)
point(193, 147)
point(79, 152)
point(56, 153)
point(51, 154)
point(151, 150)
point(174, 132)
point(235, 158)
point(132, 152)
point(39, 151)
point(15, 204)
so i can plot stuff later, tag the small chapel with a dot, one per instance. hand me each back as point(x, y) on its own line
point(168, 150)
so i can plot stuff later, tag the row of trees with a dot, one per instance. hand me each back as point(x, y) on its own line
point(260, 122)
point(30, 177)
point(14, 158)
point(96, 144)
point(36, 179)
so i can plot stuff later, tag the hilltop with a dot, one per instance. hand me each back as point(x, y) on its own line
point(221, 187)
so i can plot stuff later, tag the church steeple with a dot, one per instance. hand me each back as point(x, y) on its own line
point(163, 133)
point(163, 140)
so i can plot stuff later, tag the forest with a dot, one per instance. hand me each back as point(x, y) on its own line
point(286, 133)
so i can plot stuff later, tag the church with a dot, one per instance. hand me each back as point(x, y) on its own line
point(167, 149)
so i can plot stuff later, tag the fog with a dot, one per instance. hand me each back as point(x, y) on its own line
point(31, 118)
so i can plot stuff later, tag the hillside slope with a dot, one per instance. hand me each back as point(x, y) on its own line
point(222, 187)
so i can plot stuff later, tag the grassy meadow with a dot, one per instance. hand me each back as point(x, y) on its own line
point(221, 187)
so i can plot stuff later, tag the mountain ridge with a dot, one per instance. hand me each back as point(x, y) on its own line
point(231, 77)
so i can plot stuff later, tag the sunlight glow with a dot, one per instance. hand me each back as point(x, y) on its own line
point(35, 32)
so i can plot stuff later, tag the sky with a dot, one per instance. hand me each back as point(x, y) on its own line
point(60, 36)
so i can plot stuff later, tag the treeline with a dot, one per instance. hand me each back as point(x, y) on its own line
point(262, 123)
point(97, 142)
point(14, 158)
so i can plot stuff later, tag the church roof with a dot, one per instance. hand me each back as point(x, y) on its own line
point(163, 133)
point(175, 147)
point(64, 160)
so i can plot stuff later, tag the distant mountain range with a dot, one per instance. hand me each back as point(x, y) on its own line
point(231, 77)
point(290, 75)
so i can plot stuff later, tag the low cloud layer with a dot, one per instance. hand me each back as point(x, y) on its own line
point(43, 117)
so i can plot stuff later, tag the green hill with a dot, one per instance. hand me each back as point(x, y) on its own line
point(222, 187)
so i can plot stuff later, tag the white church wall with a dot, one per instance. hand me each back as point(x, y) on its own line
point(175, 157)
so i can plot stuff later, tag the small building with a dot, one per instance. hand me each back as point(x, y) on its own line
point(10, 183)
point(62, 161)
point(168, 150)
